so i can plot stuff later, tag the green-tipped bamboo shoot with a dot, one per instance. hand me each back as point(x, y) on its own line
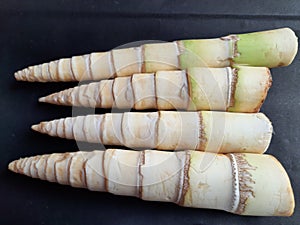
point(168, 130)
point(271, 48)
point(245, 184)
point(225, 89)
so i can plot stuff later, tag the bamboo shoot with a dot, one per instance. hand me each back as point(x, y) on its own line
point(245, 184)
point(242, 89)
point(271, 48)
point(168, 130)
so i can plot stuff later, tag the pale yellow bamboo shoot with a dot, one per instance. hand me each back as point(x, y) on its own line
point(242, 89)
point(245, 184)
point(168, 130)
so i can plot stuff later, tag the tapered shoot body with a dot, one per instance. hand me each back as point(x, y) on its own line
point(241, 89)
point(167, 130)
point(271, 48)
point(245, 184)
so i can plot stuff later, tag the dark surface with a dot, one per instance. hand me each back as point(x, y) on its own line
point(32, 32)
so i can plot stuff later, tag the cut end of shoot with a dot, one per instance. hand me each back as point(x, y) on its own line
point(273, 48)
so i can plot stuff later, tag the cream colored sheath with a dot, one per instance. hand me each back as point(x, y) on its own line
point(245, 184)
point(241, 89)
point(168, 130)
point(271, 48)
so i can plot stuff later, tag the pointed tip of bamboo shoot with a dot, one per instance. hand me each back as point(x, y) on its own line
point(25, 75)
point(18, 76)
point(12, 166)
point(24, 166)
point(36, 127)
point(42, 99)
point(52, 99)
point(52, 128)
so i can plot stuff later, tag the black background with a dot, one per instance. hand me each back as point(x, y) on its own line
point(33, 32)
